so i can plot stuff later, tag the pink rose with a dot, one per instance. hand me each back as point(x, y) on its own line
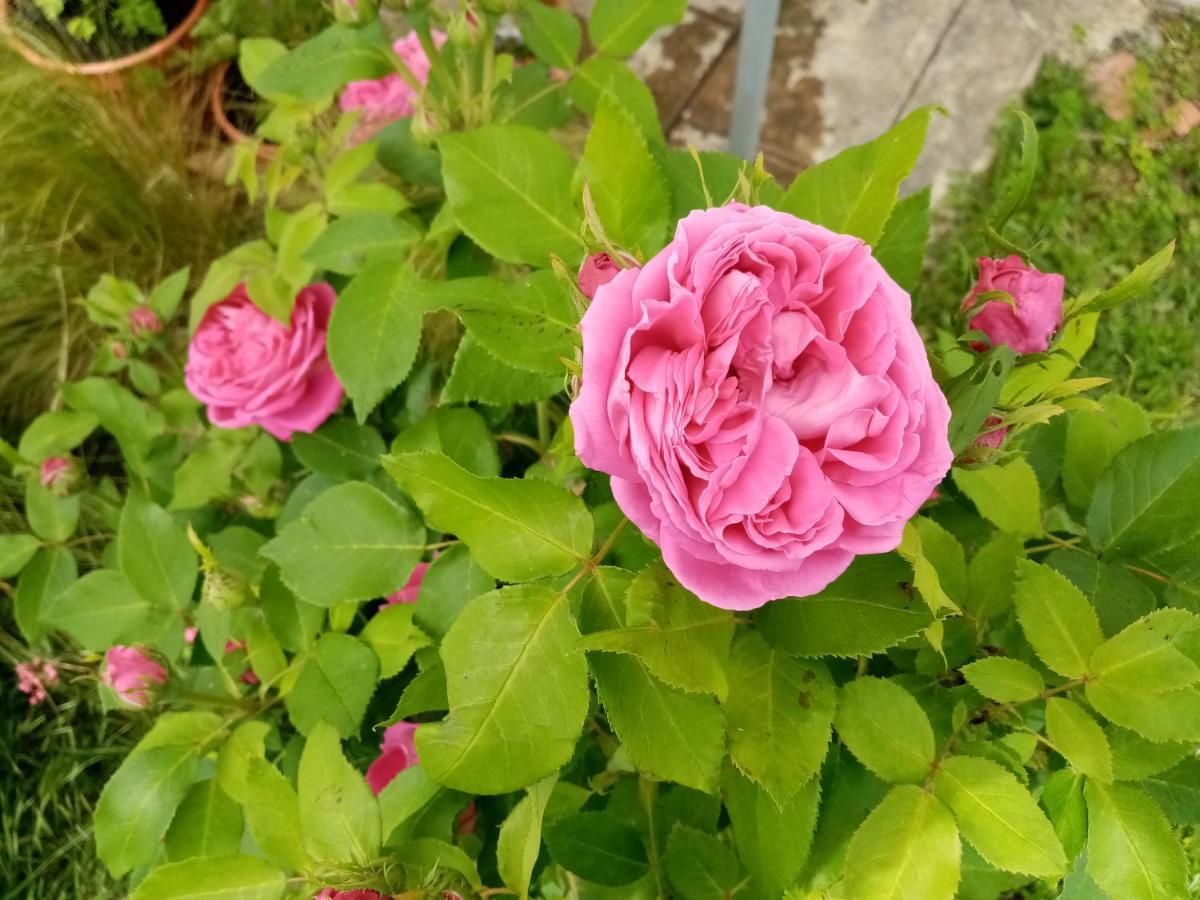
point(60, 474)
point(251, 370)
point(397, 753)
point(384, 100)
point(763, 402)
point(133, 675)
point(597, 270)
point(1027, 324)
point(334, 894)
point(143, 320)
point(408, 593)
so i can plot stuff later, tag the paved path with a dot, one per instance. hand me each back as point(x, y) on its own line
point(845, 70)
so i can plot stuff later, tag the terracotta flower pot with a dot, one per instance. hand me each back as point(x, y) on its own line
point(102, 67)
point(216, 108)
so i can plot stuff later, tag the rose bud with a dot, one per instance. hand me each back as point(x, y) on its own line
point(119, 350)
point(334, 894)
point(1035, 313)
point(408, 593)
point(225, 590)
point(144, 321)
point(387, 99)
point(397, 753)
point(763, 402)
point(60, 475)
point(133, 674)
point(250, 369)
point(598, 270)
point(993, 438)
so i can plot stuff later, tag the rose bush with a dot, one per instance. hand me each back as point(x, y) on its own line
point(389, 634)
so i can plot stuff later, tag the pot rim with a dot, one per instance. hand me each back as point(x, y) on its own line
point(216, 107)
point(102, 66)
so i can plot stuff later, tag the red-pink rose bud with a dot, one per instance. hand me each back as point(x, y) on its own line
point(60, 475)
point(1027, 324)
point(143, 321)
point(133, 674)
point(995, 437)
point(597, 270)
point(118, 350)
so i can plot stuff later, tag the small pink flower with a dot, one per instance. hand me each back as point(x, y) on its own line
point(408, 593)
point(59, 474)
point(34, 676)
point(397, 753)
point(133, 675)
point(118, 350)
point(597, 270)
point(143, 321)
point(387, 99)
point(250, 369)
point(189, 634)
point(248, 675)
point(1027, 324)
point(995, 437)
point(334, 894)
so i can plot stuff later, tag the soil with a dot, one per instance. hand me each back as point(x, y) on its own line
point(107, 43)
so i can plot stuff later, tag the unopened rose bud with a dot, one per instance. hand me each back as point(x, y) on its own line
point(225, 590)
point(1028, 322)
point(354, 12)
point(60, 475)
point(993, 438)
point(144, 321)
point(598, 270)
point(134, 675)
point(464, 30)
point(119, 350)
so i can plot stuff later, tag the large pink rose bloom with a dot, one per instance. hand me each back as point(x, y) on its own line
point(249, 369)
point(763, 402)
point(384, 100)
point(1029, 322)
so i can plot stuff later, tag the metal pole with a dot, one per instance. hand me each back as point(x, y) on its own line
point(756, 46)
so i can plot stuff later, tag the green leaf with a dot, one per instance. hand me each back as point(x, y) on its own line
point(517, 685)
point(604, 599)
point(1062, 797)
point(404, 798)
point(1135, 757)
point(716, 173)
point(50, 517)
point(1006, 495)
point(1058, 622)
point(772, 841)
point(313, 71)
point(1019, 179)
point(619, 27)
point(627, 186)
point(1094, 437)
point(293, 622)
point(517, 530)
point(247, 743)
point(338, 813)
point(552, 34)
point(1119, 596)
point(273, 816)
point(16, 550)
point(451, 582)
point(205, 475)
point(340, 449)
point(681, 640)
point(532, 325)
point(597, 847)
point(1146, 499)
point(132, 422)
point(1177, 791)
point(670, 735)
point(901, 247)
point(374, 334)
point(509, 187)
point(479, 377)
point(855, 191)
point(974, 393)
point(1077, 737)
point(351, 543)
point(222, 878)
point(1003, 679)
point(907, 849)
point(168, 293)
point(700, 865)
point(156, 555)
point(999, 817)
point(520, 838)
point(46, 577)
point(849, 793)
point(137, 804)
point(394, 638)
point(866, 610)
point(1132, 853)
point(98, 610)
point(1140, 280)
point(334, 685)
point(1145, 658)
point(886, 729)
point(55, 434)
point(353, 243)
point(207, 823)
point(1169, 716)
point(780, 712)
point(263, 652)
point(456, 432)
point(599, 76)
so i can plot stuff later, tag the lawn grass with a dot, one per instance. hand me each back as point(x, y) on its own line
point(1108, 195)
